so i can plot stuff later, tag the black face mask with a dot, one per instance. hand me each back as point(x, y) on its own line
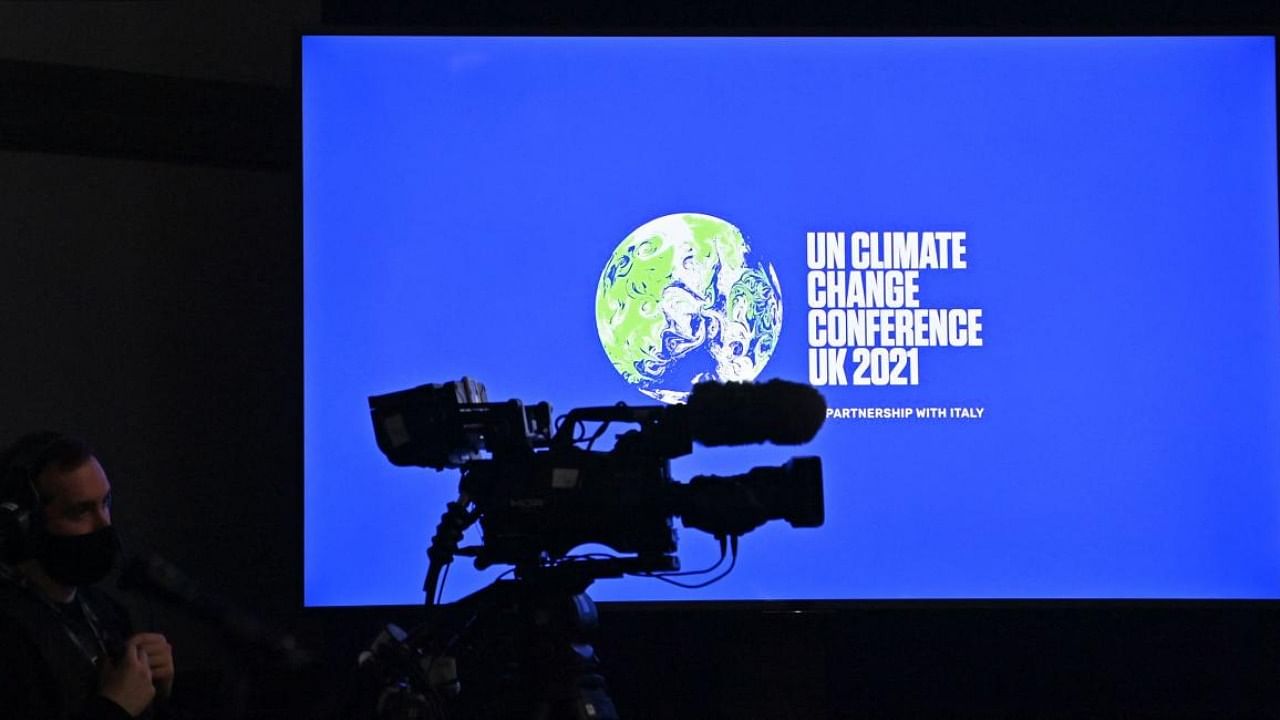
point(75, 560)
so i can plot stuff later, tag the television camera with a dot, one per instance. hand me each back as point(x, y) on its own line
point(538, 492)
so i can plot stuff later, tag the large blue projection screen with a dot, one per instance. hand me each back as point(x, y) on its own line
point(1035, 278)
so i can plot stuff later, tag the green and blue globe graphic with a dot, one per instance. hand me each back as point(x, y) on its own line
point(678, 304)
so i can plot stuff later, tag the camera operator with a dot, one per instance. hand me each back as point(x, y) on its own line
point(67, 650)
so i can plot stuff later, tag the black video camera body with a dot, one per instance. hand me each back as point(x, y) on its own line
point(538, 494)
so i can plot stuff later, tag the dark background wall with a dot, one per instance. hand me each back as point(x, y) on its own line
point(150, 297)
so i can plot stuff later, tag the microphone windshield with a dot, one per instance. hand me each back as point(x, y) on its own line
point(779, 412)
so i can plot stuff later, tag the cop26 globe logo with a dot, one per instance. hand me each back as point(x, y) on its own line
point(678, 304)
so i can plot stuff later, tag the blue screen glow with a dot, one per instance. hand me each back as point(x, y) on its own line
point(1107, 413)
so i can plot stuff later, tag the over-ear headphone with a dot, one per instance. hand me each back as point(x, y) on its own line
point(21, 510)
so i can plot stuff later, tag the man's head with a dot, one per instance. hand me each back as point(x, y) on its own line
point(63, 507)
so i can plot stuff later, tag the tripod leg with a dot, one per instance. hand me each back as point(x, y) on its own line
point(571, 686)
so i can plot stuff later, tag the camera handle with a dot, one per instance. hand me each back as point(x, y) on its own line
point(457, 517)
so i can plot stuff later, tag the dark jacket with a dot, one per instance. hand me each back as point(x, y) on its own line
point(45, 674)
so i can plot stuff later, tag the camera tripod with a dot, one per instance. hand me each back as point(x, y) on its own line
point(523, 647)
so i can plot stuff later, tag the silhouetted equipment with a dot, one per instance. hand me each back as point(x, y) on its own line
point(521, 648)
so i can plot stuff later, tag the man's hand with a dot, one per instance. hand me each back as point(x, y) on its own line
point(159, 658)
point(128, 683)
